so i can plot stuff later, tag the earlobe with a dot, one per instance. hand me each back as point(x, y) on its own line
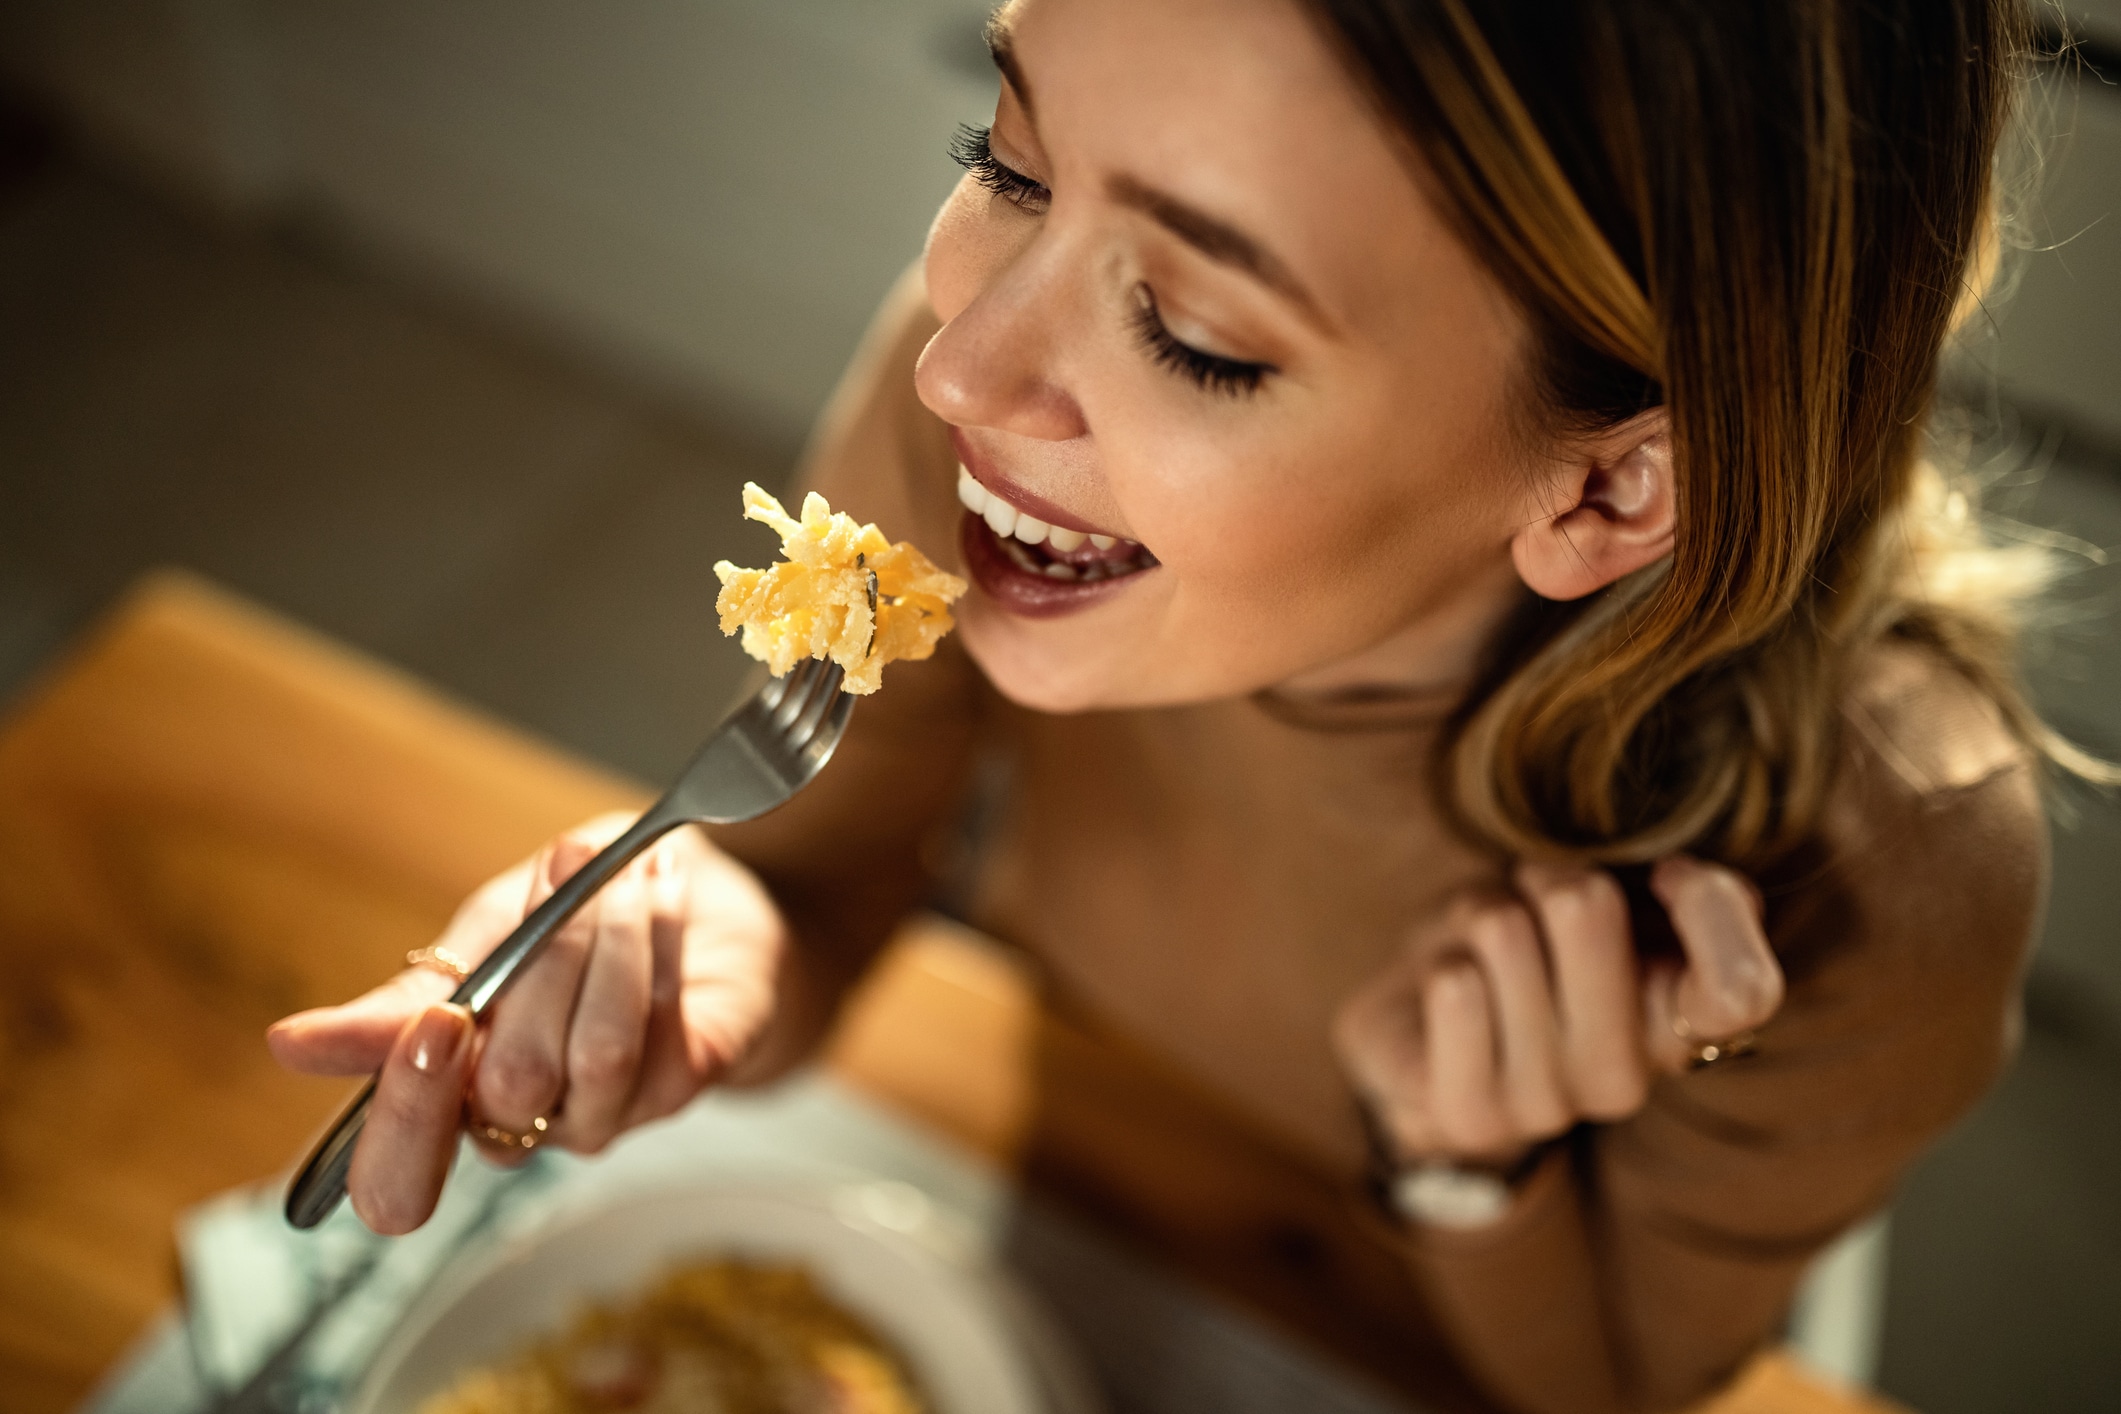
point(1611, 511)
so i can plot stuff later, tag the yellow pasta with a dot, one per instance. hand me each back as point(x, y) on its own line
point(729, 1336)
point(842, 592)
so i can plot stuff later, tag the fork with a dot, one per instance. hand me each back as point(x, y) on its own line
point(769, 748)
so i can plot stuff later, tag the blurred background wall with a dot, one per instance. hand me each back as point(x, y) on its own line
point(452, 326)
point(711, 195)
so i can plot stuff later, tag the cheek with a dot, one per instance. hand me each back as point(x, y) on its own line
point(1310, 529)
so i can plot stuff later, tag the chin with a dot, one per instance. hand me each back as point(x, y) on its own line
point(1082, 665)
point(1043, 677)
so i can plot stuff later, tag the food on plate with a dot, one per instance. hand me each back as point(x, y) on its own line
point(842, 592)
point(720, 1337)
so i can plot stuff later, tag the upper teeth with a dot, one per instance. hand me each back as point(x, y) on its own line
point(1005, 519)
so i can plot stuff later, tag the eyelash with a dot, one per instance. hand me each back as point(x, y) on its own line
point(971, 151)
point(1229, 377)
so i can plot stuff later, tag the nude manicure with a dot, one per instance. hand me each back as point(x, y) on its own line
point(436, 1036)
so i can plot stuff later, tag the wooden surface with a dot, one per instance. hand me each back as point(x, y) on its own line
point(209, 818)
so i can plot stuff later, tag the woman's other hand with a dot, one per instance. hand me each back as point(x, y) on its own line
point(1510, 1019)
point(653, 991)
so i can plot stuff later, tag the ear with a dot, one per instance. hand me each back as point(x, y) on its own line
point(1605, 513)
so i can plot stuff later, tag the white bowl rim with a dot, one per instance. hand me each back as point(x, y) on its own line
point(1016, 1331)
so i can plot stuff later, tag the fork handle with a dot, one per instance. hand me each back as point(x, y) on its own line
point(320, 1185)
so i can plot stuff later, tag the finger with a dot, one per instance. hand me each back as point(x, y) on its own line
point(667, 1078)
point(604, 1046)
point(1506, 943)
point(499, 905)
point(1732, 982)
point(1464, 1089)
point(1377, 1035)
point(491, 913)
point(1666, 1040)
point(724, 999)
point(355, 1038)
point(727, 971)
point(521, 1068)
point(403, 1155)
point(1591, 946)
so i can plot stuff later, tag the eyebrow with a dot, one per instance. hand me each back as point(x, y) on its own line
point(1213, 237)
point(1002, 46)
point(1210, 235)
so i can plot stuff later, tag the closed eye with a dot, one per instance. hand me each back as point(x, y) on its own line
point(1231, 377)
point(971, 150)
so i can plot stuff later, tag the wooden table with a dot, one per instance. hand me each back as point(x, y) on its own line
point(210, 817)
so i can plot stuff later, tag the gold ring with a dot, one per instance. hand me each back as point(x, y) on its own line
point(441, 959)
point(507, 1138)
point(1703, 1053)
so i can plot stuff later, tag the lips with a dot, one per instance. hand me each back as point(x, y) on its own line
point(1034, 567)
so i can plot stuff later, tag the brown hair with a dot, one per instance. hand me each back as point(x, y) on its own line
point(1761, 215)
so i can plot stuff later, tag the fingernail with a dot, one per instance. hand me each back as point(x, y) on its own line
point(437, 1035)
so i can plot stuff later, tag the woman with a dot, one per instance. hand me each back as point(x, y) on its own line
point(1431, 471)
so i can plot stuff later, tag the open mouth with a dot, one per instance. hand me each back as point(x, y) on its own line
point(1035, 568)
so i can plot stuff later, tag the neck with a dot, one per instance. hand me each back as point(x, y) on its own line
point(1437, 653)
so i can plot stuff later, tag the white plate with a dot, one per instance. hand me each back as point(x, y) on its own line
point(973, 1341)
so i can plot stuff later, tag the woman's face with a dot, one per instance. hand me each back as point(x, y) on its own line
point(1198, 303)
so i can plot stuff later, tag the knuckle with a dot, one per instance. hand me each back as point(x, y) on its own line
point(393, 1111)
point(1492, 918)
point(520, 1080)
point(1467, 908)
point(1503, 930)
point(604, 1061)
point(1590, 913)
point(1465, 1126)
point(1613, 1092)
point(1543, 1116)
point(623, 920)
point(1597, 897)
point(1485, 1133)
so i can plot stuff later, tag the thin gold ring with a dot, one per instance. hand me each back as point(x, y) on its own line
point(441, 959)
point(1701, 1053)
point(507, 1138)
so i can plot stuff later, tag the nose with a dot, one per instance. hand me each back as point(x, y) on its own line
point(993, 364)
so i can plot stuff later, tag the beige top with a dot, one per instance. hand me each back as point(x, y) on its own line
point(1205, 884)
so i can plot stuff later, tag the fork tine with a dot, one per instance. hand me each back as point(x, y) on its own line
point(802, 683)
point(814, 712)
point(769, 696)
point(836, 724)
